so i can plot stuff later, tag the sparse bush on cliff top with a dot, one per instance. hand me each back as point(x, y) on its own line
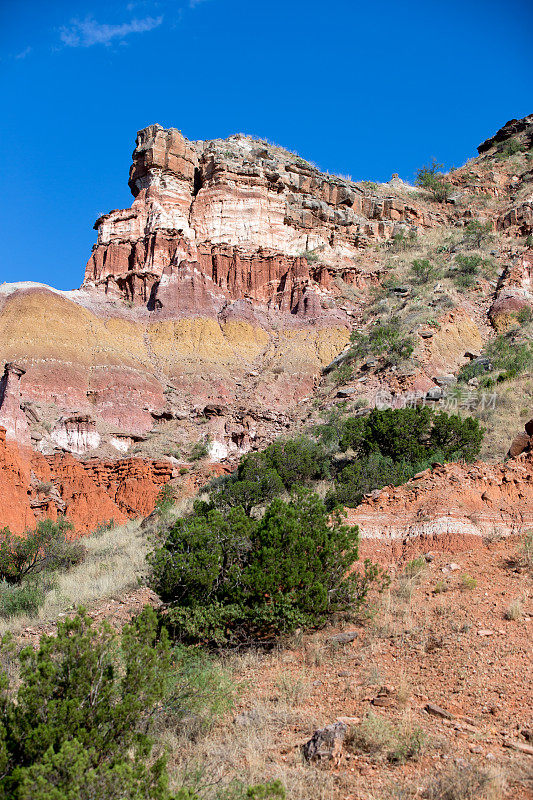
point(430, 178)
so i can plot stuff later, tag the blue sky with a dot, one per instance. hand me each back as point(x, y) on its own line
point(360, 88)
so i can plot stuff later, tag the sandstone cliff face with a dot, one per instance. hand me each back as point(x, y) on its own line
point(11, 415)
point(244, 211)
point(15, 510)
point(211, 307)
point(33, 486)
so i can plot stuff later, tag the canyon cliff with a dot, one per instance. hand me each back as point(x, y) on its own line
point(213, 310)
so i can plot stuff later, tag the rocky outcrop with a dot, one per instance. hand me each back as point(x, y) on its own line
point(449, 502)
point(12, 417)
point(33, 486)
point(509, 130)
point(514, 292)
point(211, 306)
point(76, 433)
point(243, 212)
point(523, 442)
point(90, 492)
point(15, 509)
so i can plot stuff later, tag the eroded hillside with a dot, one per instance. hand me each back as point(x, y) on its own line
point(216, 313)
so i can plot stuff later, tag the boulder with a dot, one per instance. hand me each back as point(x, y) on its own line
point(520, 444)
point(326, 743)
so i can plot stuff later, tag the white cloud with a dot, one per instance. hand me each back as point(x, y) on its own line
point(194, 3)
point(85, 33)
point(24, 53)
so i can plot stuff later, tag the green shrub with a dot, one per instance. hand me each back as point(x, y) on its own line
point(200, 450)
point(401, 242)
point(510, 148)
point(311, 256)
point(456, 438)
point(46, 548)
point(476, 233)
point(103, 527)
point(412, 435)
point(74, 731)
point(423, 270)
point(504, 357)
point(362, 476)
point(199, 691)
point(165, 498)
point(264, 475)
point(255, 488)
point(391, 445)
point(371, 577)
point(383, 340)
point(468, 582)
point(378, 736)
point(430, 178)
point(343, 373)
point(467, 267)
point(233, 578)
point(524, 316)
point(296, 460)
point(25, 598)
point(415, 567)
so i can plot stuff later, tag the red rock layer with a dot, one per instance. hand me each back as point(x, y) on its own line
point(95, 491)
point(449, 502)
point(514, 292)
point(15, 510)
point(243, 213)
point(33, 486)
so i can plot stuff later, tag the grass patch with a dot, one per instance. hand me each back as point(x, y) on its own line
point(468, 582)
point(115, 562)
point(379, 737)
point(465, 782)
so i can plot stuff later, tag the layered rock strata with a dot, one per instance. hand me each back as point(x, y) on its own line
point(244, 212)
point(33, 486)
point(450, 502)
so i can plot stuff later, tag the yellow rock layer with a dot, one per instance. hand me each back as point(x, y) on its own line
point(41, 325)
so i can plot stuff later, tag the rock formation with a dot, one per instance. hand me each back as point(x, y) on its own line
point(244, 212)
point(33, 486)
point(15, 510)
point(211, 309)
point(12, 418)
point(449, 502)
point(514, 291)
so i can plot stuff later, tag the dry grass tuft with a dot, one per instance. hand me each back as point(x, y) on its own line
point(514, 611)
point(466, 782)
point(379, 737)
